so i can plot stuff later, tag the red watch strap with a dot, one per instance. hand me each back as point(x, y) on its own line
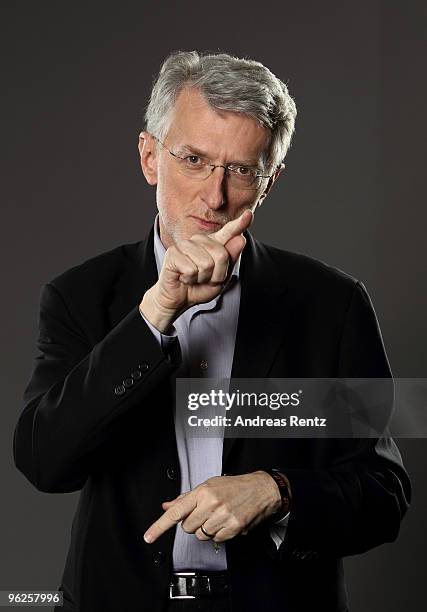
point(282, 483)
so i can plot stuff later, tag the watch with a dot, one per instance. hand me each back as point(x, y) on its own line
point(285, 495)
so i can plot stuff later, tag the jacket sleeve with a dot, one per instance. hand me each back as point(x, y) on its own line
point(76, 393)
point(359, 501)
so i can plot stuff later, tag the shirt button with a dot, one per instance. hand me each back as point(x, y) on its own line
point(203, 365)
point(158, 557)
point(170, 473)
point(119, 390)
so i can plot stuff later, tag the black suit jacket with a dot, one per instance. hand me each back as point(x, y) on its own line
point(78, 431)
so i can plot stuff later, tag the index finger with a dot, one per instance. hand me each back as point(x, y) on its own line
point(233, 228)
point(175, 514)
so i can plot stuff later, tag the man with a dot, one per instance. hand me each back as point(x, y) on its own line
point(168, 522)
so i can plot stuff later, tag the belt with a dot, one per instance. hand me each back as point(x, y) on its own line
point(198, 584)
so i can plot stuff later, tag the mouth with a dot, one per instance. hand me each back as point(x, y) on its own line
point(204, 224)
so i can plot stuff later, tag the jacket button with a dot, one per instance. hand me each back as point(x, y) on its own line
point(137, 374)
point(143, 366)
point(170, 473)
point(158, 557)
point(128, 382)
point(119, 390)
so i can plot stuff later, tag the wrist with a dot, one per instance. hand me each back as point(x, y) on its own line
point(273, 499)
point(283, 487)
point(160, 318)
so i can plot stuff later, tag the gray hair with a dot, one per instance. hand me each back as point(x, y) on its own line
point(227, 83)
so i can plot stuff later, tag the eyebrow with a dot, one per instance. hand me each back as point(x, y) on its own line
point(246, 162)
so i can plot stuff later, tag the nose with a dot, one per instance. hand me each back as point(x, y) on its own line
point(213, 188)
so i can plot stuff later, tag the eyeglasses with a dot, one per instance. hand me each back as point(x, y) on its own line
point(200, 168)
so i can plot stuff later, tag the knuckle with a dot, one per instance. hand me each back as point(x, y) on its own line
point(221, 537)
point(204, 492)
point(209, 266)
point(236, 524)
point(175, 514)
point(226, 508)
point(190, 269)
point(209, 497)
point(210, 261)
point(204, 487)
point(222, 257)
point(214, 502)
point(186, 244)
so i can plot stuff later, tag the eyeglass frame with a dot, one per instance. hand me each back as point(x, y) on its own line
point(213, 166)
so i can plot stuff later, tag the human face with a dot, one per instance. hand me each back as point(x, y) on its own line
point(188, 206)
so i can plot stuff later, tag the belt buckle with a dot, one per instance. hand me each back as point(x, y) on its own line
point(172, 596)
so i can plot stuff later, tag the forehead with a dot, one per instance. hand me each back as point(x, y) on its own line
point(224, 134)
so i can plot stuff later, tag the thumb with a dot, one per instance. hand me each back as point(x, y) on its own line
point(167, 504)
point(172, 501)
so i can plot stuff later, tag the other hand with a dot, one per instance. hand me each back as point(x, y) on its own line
point(224, 505)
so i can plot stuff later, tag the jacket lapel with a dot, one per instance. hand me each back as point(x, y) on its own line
point(261, 319)
point(260, 315)
point(139, 273)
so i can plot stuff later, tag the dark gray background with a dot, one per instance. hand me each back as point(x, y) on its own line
point(75, 81)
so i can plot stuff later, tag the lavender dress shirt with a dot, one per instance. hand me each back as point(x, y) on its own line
point(206, 334)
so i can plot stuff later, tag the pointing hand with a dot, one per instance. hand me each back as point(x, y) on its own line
point(194, 272)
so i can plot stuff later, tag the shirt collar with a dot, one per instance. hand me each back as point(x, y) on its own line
point(159, 251)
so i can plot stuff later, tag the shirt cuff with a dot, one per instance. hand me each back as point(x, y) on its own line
point(278, 530)
point(283, 522)
point(165, 340)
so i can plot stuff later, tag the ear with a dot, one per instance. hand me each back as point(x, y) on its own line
point(270, 183)
point(147, 147)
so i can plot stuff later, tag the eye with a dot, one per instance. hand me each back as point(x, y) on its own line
point(193, 160)
point(243, 170)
